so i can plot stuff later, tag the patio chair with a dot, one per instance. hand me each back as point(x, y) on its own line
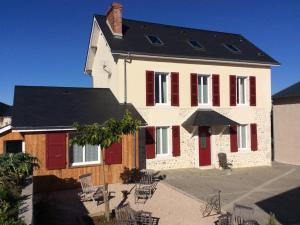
point(89, 191)
point(223, 162)
point(243, 215)
point(125, 215)
point(145, 188)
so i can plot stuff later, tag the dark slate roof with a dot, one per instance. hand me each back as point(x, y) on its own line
point(175, 42)
point(208, 118)
point(289, 92)
point(61, 107)
point(5, 110)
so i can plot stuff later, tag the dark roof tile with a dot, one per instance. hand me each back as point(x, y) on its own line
point(175, 42)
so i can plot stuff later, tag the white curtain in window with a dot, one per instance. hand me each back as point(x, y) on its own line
point(91, 153)
point(163, 88)
point(77, 153)
point(164, 133)
point(158, 141)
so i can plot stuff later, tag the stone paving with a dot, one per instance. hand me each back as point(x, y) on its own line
point(268, 189)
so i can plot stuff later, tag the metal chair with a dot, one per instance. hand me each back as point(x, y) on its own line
point(89, 191)
point(125, 215)
point(145, 188)
point(223, 162)
point(242, 215)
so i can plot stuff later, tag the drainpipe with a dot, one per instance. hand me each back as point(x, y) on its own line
point(128, 60)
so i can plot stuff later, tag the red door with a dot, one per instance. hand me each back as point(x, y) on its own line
point(204, 146)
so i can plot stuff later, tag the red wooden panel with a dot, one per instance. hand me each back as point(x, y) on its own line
point(204, 146)
point(56, 150)
point(253, 128)
point(233, 138)
point(176, 140)
point(194, 90)
point(150, 142)
point(149, 88)
point(113, 154)
point(216, 89)
point(252, 91)
point(175, 89)
point(232, 89)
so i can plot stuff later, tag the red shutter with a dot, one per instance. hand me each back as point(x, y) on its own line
point(174, 89)
point(56, 150)
point(233, 138)
point(216, 89)
point(232, 87)
point(113, 154)
point(150, 142)
point(253, 128)
point(194, 90)
point(176, 140)
point(252, 91)
point(149, 88)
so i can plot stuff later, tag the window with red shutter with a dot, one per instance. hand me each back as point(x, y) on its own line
point(233, 138)
point(253, 128)
point(232, 90)
point(194, 90)
point(113, 154)
point(150, 142)
point(176, 140)
point(252, 91)
point(56, 150)
point(216, 89)
point(174, 89)
point(149, 88)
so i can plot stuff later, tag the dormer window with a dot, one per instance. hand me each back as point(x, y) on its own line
point(232, 48)
point(195, 44)
point(154, 40)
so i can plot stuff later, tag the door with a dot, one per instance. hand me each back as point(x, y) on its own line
point(204, 146)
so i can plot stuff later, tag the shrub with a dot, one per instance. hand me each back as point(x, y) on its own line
point(14, 169)
point(130, 175)
point(272, 219)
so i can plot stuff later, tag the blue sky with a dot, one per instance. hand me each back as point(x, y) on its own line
point(45, 42)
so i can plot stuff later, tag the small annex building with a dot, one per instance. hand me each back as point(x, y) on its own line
point(42, 121)
point(286, 125)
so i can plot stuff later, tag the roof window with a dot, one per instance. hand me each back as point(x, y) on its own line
point(232, 48)
point(154, 40)
point(195, 44)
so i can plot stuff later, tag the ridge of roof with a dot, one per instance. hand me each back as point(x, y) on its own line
point(174, 26)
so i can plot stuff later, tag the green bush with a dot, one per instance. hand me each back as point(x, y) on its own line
point(14, 169)
point(272, 219)
point(130, 175)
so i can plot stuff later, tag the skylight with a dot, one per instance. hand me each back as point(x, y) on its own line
point(154, 40)
point(195, 44)
point(232, 48)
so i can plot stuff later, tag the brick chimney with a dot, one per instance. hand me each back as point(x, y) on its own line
point(114, 19)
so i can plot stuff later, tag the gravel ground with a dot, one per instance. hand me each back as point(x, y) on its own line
point(168, 205)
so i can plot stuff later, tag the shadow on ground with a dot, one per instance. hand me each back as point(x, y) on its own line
point(285, 206)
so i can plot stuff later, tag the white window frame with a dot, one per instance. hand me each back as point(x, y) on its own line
point(167, 103)
point(246, 82)
point(84, 163)
point(247, 137)
point(208, 90)
point(168, 141)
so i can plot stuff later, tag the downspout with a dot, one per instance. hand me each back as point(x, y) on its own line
point(128, 60)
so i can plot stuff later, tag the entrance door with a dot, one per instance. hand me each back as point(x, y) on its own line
point(204, 146)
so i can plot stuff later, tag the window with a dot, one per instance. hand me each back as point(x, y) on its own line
point(161, 88)
point(84, 155)
point(242, 136)
point(162, 140)
point(13, 146)
point(203, 89)
point(232, 48)
point(154, 40)
point(241, 90)
point(195, 44)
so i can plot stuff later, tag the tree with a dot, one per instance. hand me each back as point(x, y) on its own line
point(104, 135)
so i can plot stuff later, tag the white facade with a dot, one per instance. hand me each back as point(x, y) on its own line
point(110, 72)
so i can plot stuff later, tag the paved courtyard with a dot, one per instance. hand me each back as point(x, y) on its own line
point(268, 189)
